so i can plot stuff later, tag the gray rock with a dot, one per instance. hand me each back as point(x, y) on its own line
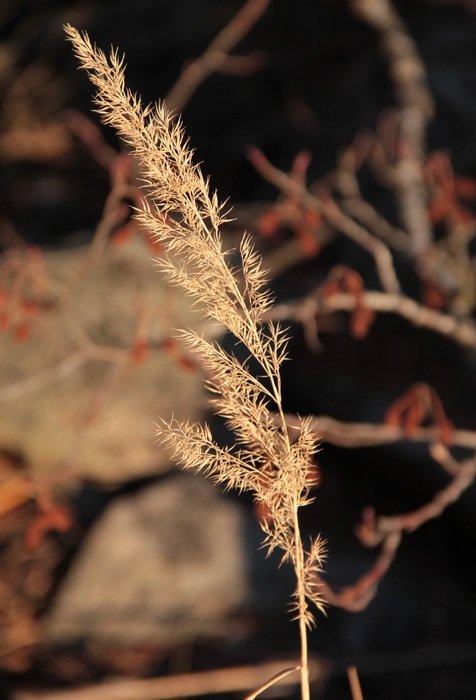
point(162, 565)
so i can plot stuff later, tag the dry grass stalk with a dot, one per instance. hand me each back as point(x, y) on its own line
point(185, 216)
point(354, 683)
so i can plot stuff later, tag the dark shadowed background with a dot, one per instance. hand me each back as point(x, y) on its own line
point(314, 79)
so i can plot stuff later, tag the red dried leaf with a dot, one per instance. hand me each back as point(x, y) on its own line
point(21, 333)
point(465, 187)
point(169, 344)
point(433, 296)
point(30, 308)
point(261, 512)
point(447, 431)
point(439, 209)
point(268, 223)
point(361, 321)
point(54, 519)
point(345, 280)
point(139, 352)
point(414, 417)
point(307, 241)
point(154, 245)
point(417, 405)
point(123, 233)
point(447, 188)
point(4, 321)
point(312, 475)
point(186, 363)
point(342, 279)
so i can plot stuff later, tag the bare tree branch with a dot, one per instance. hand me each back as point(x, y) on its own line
point(350, 435)
point(224, 680)
point(415, 111)
point(375, 530)
point(216, 55)
point(334, 216)
point(462, 332)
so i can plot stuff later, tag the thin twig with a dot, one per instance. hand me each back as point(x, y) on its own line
point(111, 216)
point(373, 532)
point(37, 381)
point(369, 217)
point(334, 216)
point(441, 454)
point(360, 235)
point(344, 179)
point(272, 681)
point(216, 54)
point(357, 596)
point(388, 531)
point(91, 137)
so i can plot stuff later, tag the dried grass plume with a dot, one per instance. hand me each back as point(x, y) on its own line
point(182, 212)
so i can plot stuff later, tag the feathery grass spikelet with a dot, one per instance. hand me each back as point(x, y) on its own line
point(185, 216)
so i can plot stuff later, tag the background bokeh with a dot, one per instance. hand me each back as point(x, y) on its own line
point(315, 78)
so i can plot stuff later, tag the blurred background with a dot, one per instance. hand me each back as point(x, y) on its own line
point(113, 565)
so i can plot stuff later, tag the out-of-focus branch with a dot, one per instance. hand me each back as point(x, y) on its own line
point(62, 369)
point(344, 179)
point(90, 136)
point(441, 454)
point(216, 55)
point(225, 680)
point(415, 111)
point(315, 304)
point(272, 681)
point(114, 210)
point(375, 529)
point(334, 216)
point(357, 596)
point(388, 532)
point(351, 435)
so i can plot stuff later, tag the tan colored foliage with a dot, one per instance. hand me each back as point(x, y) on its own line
point(185, 217)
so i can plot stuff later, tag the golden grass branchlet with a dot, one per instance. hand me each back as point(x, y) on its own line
point(182, 212)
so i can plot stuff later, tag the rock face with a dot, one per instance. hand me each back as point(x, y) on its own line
point(76, 393)
point(165, 564)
